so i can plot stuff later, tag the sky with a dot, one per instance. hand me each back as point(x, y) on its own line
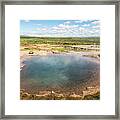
point(60, 28)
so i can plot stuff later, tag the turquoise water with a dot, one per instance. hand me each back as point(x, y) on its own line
point(58, 72)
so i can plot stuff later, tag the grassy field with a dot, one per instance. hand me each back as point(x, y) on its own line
point(60, 41)
point(57, 44)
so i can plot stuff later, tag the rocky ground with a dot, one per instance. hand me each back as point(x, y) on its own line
point(91, 93)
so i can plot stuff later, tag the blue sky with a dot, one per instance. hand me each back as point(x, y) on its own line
point(60, 28)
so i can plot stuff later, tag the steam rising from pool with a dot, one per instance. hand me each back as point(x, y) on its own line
point(58, 72)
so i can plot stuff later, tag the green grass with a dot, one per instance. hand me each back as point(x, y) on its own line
point(59, 49)
point(27, 48)
point(59, 41)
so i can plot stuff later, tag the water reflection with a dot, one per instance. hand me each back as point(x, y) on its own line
point(58, 72)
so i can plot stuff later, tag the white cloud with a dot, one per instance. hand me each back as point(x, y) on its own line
point(96, 27)
point(44, 29)
point(91, 31)
point(65, 29)
point(61, 25)
point(57, 28)
point(67, 22)
point(68, 29)
point(81, 29)
point(38, 28)
point(83, 20)
point(78, 21)
point(67, 26)
point(96, 22)
point(41, 29)
point(97, 31)
point(86, 25)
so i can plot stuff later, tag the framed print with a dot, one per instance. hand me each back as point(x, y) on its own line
point(60, 59)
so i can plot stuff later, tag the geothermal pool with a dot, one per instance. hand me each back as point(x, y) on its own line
point(59, 73)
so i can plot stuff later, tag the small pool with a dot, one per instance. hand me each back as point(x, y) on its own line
point(59, 72)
